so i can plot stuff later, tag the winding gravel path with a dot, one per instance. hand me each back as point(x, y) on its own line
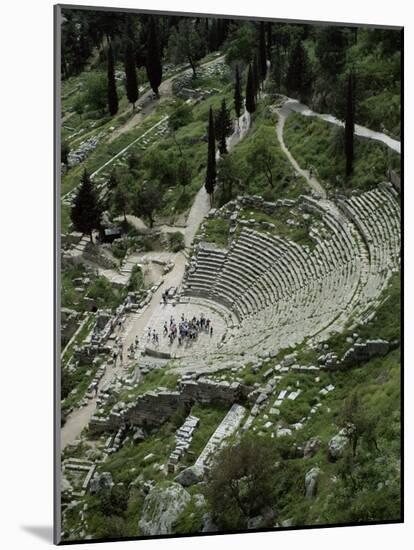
point(292, 105)
point(314, 184)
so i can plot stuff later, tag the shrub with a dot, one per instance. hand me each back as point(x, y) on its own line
point(136, 280)
point(176, 241)
point(119, 249)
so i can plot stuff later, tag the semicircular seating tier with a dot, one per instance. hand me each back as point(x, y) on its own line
point(282, 293)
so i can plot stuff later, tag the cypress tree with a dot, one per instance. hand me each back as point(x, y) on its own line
point(250, 95)
point(269, 41)
point(211, 173)
point(112, 180)
point(86, 211)
point(238, 98)
point(298, 72)
point(223, 127)
point(256, 77)
point(262, 53)
point(213, 36)
point(112, 93)
point(153, 62)
point(131, 74)
point(277, 66)
point(350, 125)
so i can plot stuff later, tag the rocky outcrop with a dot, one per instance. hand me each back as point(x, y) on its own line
point(162, 507)
point(190, 476)
point(338, 444)
point(311, 447)
point(311, 482)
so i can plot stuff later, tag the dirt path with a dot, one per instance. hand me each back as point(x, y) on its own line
point(80, 417)
point(313, 183)
point(148, 103)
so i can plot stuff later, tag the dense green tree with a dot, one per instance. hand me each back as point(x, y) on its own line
point(147, 201)
point(229, 174)
point(211, 173)
point(223, 126)
point(153, 64)
point(350, 125)
point(86, 211)
point(181, 116)
point(241, 43)
point(298, 77)
point(112, 93)
point(250, 92)
point(185, 44)
point(358, 422)
point(243, 483)
point(122, 198)
point(330, 49)
point(95, 96)
point(238, 97)
point(161, 166)
point(184, 174)
point(131, 79)
point(262, 158)
point(262, 52)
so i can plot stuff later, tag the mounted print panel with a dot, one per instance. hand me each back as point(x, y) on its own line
point(228, 206)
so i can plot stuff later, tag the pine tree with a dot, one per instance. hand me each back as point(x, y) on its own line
point(86, 211)
point(238, 98)
point(350, 125)
point(262, 53)
point(223, 127)
point(153, 62)
point(131, 74)
point(250, 95)
point(211, 173)
point(112, 93)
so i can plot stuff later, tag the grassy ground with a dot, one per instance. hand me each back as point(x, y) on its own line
point(217, 231)
point(99, 289)
point(253, 179)
point(296, 233)
point(154, 379)
point(318, 144)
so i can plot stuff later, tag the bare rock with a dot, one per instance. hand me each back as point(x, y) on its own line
point(311, 447)
point(162, 507)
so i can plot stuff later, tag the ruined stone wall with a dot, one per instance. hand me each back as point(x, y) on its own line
point(155, 407)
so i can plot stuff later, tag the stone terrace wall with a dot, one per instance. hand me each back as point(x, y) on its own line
point(153, 408)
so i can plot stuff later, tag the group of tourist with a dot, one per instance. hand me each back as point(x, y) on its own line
point(185, 331)
point(118, 350)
